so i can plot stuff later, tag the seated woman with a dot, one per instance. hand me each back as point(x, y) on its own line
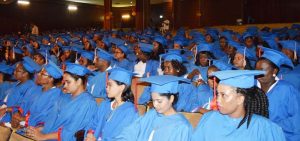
point(146, 66)
point(117, 112)
point(38, 108)
point(72, 112)
point(244, 59)
point(162, 123)
point(242, 114)
point(173, 65)
point(284, 98)
point(121, 59)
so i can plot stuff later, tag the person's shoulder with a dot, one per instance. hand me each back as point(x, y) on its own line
point(262, 122)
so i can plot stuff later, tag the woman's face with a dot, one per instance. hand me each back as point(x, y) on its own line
point(288, 53)
point(161, 103)
point(210, 79)
point(140, 55)
point(70, 84)
point(249, 42)
point(155, 46)
point(19, 71)
point(228, 101)
point(43, 77)
point(118, 54)
point(113, 89)
point(223, 43)
point(239, 61)
point(67, 53)
point(269, 71)
point(208, 38)
point(169, 69)
point(230, 50)
point(177, 46)
point(83, 61)
point(203, 59)
point(38, 59)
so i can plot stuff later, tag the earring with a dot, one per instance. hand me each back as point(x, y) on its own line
point(274, 75)
point(177, 71)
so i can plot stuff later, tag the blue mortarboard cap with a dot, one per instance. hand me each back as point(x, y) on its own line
point(246, 35)
point(204, 47)
point(179, 42)
point(123, 48)
point(221, 65)
point(161, 40)
point(166, 84)
point(92, 43)
point(227, 35)
point(117, 41)
point(30, 65)
point(174, 51)
point(246, 52)
point(77, 69)
point(88, 55)
point(66, 48)
point(121, 75)
point(29, 48)
point(234, 44)
point(53, 70)
point(277, 57)
point(6, 69)
point(18, 50)
point(289, 44)
point(146, 47)
point(238, 78)
point(104, 55)
point(271, 42)
point(172, 56)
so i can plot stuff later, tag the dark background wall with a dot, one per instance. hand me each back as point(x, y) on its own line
point(53, 14)
point(48, 14)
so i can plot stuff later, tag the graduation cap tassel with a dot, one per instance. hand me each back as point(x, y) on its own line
point(27, 118)
point(213, 104)
point(46, 57)
point(244, 61)
point(135, 97)
point(106, 80)
point(13, 55)
point(295, 52)
point(195, 54)
point(59, 134)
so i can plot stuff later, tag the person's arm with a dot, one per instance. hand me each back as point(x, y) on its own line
point(36, 134)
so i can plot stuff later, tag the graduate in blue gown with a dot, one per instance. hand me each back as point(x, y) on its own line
point(242, 111)
point(6, 82)
point(244, 59)
point(173, 65)
point(162, 123)
point(121, 59)
point(284, 98)
point(204, 54)
point(116, 112)
point(145, 65)
point(24, 73)
point(96, 84)
point(72, 112)
point(49, 94)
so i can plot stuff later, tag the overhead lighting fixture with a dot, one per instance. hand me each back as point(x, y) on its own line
point(131, 2)
point(126, 16)
point(72, 8)
point(161, 16)
point(23, 2)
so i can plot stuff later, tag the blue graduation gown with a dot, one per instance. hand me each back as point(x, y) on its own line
point(42, 105)
point(109, 123)
point(151, 68)
point(96, 85)
point(284, 109)
point(30, 96)
point(163, 128)
point(3, 88)
point(15, 95)
point(203, 72)
point(215, 126)
point(70, 113)
point(186, 97)
point(204, 96)
point(125, 64)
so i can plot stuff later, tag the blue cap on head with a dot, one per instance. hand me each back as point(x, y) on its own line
point(277, 57)
point(53, 70)
point(117, 41)
point(290, 44)
point(6, 69)
point(77, 69)
point(222, 65)
point(146, 47)
point(123, 48)
point(238, 78)
point(18, 50)
point(104, 55)
point(29, 48)
point(87, 54)
point(246, 52)
point(166, 84)
point(30, 65)
point(172, 56)
point(161, 40)
point(204, 47)
point(121, 75)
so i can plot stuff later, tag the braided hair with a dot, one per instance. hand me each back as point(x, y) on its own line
point(177, 66)
point(256, 102)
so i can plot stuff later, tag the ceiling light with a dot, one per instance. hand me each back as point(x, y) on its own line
point(23, 2)
point(72, 7)
point(126, 16)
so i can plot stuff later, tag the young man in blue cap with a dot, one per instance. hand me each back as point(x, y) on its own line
point(242, 111)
